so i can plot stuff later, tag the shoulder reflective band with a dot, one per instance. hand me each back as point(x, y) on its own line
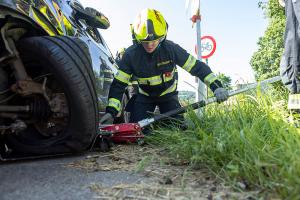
point(115, 103)
point(154, 80)
point(210, 78)
point(123, 77)
point(172, 88)
point(143, 92)
point(190, 63)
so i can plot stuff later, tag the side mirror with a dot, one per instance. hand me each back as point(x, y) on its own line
point(96, 19)
point(92, 17)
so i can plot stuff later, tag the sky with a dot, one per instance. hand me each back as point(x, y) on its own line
point(236, 26)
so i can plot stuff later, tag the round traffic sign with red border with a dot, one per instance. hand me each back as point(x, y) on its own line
point(208, 46)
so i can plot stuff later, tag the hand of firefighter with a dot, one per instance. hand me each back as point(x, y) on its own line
point(107, 119)
point(221, 94)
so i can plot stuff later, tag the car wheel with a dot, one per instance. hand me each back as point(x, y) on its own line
point(72, 125)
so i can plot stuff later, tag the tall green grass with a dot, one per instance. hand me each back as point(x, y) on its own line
point(248, 140)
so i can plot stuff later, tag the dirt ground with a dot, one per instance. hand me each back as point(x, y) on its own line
point(162, 177)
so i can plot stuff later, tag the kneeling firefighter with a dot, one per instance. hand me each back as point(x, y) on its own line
point(152, 60)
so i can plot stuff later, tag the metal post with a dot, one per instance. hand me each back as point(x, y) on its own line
point(201, 86)
point(206, 88)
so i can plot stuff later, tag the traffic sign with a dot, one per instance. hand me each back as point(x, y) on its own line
point(208, 46)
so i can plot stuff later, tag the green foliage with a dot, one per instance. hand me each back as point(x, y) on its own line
point(265, 62)
point(225, 80)
point(248, 140)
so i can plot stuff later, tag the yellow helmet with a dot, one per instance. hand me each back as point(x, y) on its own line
point(149, 25)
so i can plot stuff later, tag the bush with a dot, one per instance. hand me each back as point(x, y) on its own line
point(249, 140)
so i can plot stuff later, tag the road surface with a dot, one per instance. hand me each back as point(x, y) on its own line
point(128, 172)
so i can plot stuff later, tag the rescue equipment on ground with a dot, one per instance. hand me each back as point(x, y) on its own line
point(132, 132)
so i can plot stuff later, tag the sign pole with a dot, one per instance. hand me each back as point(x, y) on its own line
point(208, 48)
point(206, 92)
point(201, 86)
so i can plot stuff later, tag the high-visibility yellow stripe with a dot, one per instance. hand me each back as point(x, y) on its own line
point(154, 80)
point(210, 78)
point(172, 88)
point(123, 77)
point(190, 63)
point(115, 103)
point(143, 92)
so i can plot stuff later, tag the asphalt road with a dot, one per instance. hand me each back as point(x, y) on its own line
point(126, 172)
point(51, 179)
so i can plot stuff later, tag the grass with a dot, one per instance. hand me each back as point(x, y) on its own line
point(249, 141)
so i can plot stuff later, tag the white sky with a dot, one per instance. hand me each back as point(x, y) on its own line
point(235, 24)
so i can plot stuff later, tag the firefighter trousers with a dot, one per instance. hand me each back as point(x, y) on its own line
point(143, 108)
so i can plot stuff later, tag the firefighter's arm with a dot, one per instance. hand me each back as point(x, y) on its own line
point(195, 67)
point(118, 86)
point(202, 71)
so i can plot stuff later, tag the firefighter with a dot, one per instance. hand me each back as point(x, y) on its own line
point(290, 61)
point(152, 59)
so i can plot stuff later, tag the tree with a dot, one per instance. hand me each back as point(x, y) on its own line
point(225, 80)
point(265, 62)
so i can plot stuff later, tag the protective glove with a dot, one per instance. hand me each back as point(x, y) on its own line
point(221, 94)
point(107, 119)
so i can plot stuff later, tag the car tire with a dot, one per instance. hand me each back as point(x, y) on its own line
point(69, 61)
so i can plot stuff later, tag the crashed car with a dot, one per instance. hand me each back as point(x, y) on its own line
point(55, 74)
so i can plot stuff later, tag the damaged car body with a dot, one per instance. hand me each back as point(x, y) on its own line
point(55, 74)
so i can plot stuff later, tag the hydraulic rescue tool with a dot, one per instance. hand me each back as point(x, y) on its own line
point(132, 132)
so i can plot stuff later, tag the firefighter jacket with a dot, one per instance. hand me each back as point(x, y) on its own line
point(156, 73)
point(290, 62)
